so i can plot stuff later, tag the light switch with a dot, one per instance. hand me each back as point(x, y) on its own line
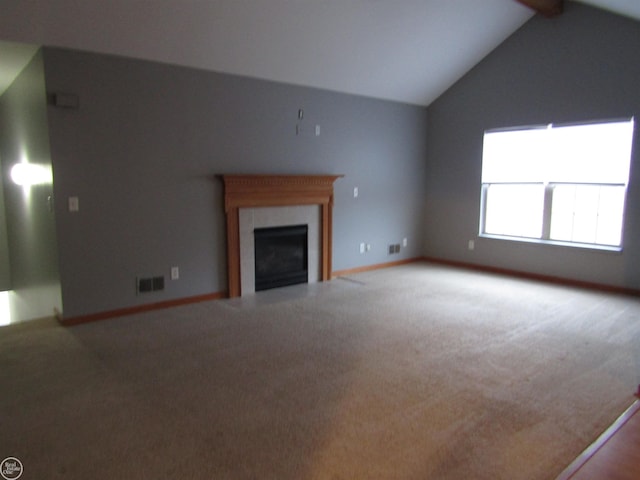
point(74, 204)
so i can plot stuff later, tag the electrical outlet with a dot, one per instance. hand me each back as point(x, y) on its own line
point(175, 273)
point(362, 247)
point(472, 244)
point(404, 242)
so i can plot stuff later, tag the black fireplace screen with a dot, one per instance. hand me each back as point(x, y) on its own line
point(280, 256)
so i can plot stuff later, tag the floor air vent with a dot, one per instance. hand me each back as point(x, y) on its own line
point(149, 284)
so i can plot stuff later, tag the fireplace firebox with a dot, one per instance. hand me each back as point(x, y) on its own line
point(280, 256)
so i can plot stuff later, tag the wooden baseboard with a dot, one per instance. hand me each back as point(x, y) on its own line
point(350, 271)
point(377, 266)
point(94, 317)
point(537, 276)
point(585, 456)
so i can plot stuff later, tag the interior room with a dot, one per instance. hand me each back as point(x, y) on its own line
point(465, 305)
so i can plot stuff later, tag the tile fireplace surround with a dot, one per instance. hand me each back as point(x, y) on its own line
point(255, 191)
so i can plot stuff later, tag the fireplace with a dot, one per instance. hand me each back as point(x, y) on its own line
point(280, 256)
point(305, 199)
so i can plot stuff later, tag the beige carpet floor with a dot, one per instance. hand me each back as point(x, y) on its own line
point(414, 372)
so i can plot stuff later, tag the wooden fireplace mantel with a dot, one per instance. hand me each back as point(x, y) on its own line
point(250, 191)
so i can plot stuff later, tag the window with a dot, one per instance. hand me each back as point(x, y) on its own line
point(555, 184)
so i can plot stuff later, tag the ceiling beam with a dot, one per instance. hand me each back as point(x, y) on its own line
point(547, 8)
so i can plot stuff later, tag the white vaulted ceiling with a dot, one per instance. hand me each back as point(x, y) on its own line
point(404, 50)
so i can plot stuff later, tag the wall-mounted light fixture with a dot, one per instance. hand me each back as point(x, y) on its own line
point(28, 174)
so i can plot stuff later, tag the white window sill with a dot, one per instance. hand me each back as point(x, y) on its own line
point(554, 243)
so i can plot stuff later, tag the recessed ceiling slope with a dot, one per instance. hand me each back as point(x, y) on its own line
point(13, 58)
point(628, 8)
point(409, 51)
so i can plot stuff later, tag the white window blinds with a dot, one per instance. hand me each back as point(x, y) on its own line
point(593, 153)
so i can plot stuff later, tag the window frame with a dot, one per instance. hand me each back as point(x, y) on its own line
point(545, 237)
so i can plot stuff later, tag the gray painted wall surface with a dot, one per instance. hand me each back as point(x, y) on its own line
point(30, 223)
point(583, 65)
point(142, 151)
point(5, 271)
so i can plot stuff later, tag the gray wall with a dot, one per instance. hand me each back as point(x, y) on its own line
point(583, 65)
point(5, 271)
point(30, 222)
point(142, 151)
